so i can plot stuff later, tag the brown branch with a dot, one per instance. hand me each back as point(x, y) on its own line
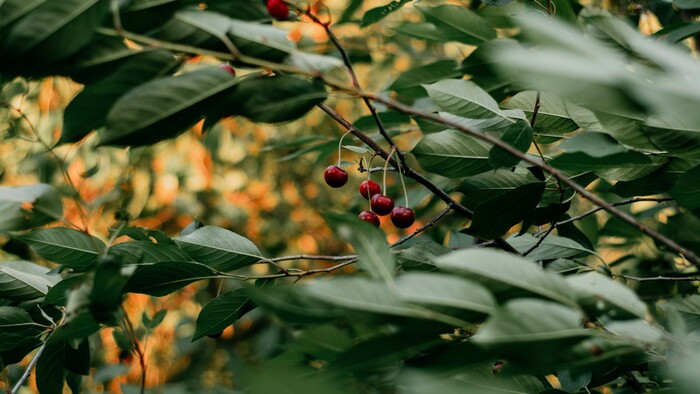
point(615, 204)
point(660, 278)
point(624, 216)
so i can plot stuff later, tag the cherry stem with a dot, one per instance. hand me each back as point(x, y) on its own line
point(403, 185)
point(340, 146)
point(386, 168)
point(369, 195)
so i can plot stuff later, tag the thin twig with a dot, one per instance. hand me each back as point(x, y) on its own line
point(424, 227)
point(539, 241)
point(309, 257)
point(139, 352)
point(29, 369)
point(660, 278)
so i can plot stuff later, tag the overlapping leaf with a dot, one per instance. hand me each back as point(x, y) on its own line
point(219, 248)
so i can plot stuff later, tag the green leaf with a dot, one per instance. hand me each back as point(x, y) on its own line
point(553, 247)
point(78, 359)
point(530, 330)
point(24, 207)
point(687, 4)
point(219, 248)
point(66, 246)
point(598, 295)
point(106, 293)
point(164, 278)
point(270, 99)
point(79, 326)
point(88, 110)
point(377, 14)
point(686, 191)
point(519, 136)
point(24, 280)
point(370, 243)
point(323, 342)
point(595, 151)
point(481, 378)
point(220, 313)
point(144, 252)
point(371, 297)
point(49, 369)
point(458, 23)
point(152, 323)
point(447, 293)
point(452, 154)
point(12, 10)
point(506, 275)
point(165, 107)
point(51, 32)
point(426, 74)
point(102, 56)
point(142, 16)
point(292, 304)
point(420, 256)
point(463, 98)
point(678, 32)
point(14, 319)
point(689, 309)
point(483, 187)
point(494, 217)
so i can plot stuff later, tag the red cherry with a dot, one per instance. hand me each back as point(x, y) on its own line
point(381, 204)
point(228, 67)
point(369, 217)
point(278, 9)
point(402, 217)
point(369, 188)
point(335, 176)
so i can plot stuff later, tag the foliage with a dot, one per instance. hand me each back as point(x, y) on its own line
point(562, 143)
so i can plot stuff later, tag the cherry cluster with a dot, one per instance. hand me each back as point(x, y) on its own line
point(380, 204)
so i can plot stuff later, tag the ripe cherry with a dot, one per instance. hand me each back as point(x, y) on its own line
point(215, 335)
point(369, 188)
point(369, 217)
point(402, 217)
point(228, 67)
point(278, 9)
point(335, 176)
point(381, 204)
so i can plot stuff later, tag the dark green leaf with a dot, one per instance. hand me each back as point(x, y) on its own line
point(596, 151)
point(458, 23)
point(78, 359)
point(376, 14)
point(144, 252)
point(106, 294)
point(427, 74)
point(420, 256)
point(553, 118)
point(88, 110)
point(494, 217)
point(25, 207)
point(686, 191)
point(678, 32)
point(14, 319)
point(66, 246)
point(219, 248)
point(519, 136)
point(165, 107)
point(220, 313)
point(600, 295)
point(152, 323)
point(552, 247)
point(164, 278)
point(49, 369)
point(464, 98)
point(58, 294)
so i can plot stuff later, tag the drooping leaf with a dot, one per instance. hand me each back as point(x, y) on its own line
point(219, 248)
point(463, 98)
point(58, 293)
point(507, 276)
point(13, 319)
point(24, 207)
point(452, 154)
point(459, 23)
point(66, 246)
point(220, 313)
point(165, 107)
point(164, 278)
point(370, 243)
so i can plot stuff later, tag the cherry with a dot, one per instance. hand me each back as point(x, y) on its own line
point(335, 176)
point(369, 188)
point(381, 204)
point(369, 217)
point(227, 67)
point(402, 217)
point(278, 9)
point(216, 334)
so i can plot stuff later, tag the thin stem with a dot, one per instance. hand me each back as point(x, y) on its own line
point(139, 352)
point(539, 241)
point(424, 227)
point(624, 216)
point(660, 278)
point(403, 185)
point(29, 369)
point(340, 146)
point(309, 257)
point(386, 166)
